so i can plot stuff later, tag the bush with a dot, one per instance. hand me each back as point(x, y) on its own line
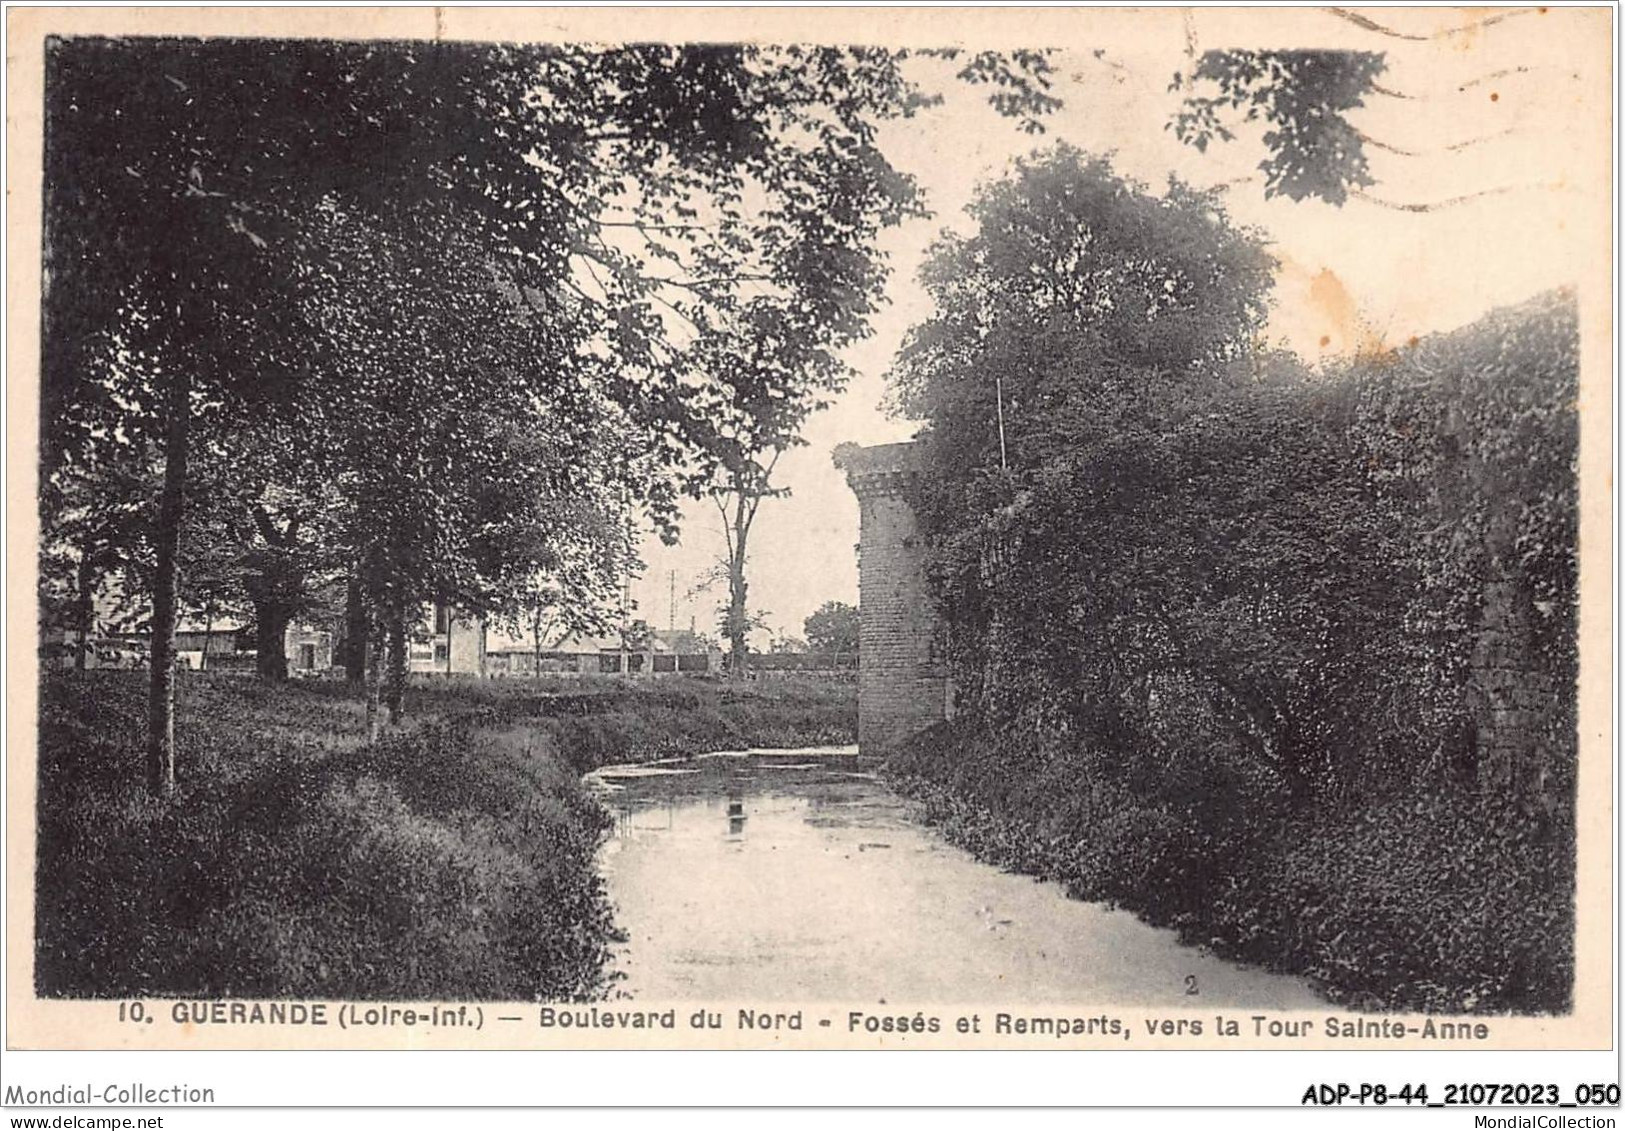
point(1417, 904)
point(1431, 904)
point(454, 860)
point(1199, 605)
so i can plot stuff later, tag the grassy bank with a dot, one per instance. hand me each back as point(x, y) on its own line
point(452, 861)
point(594, 721)
point(1423, 904)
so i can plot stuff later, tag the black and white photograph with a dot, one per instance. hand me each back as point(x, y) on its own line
point(860, 533)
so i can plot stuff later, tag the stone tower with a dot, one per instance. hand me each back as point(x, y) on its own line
point(903, 686)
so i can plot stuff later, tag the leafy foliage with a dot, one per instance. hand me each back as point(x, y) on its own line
point(1195, 594)
point(1329, 897)
point(1304, 96)
point(475, 304)
point(456, 859)
point(832, 627)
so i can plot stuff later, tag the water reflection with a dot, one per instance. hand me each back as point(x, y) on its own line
point(648, 815)
point(839, 894)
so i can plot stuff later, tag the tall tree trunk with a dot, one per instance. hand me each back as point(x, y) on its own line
point(84, 613)
point(748, 486)
point(354, 655)
point(271, 622)
point(738, 613)
point(277, 589)
point(171, 507)
point(395, 691)
point(373, 648)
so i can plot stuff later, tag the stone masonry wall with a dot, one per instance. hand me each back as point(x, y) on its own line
point(902, 683)
point(1513, 700)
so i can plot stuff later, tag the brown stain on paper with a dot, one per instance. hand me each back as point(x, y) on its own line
point(1335, 304)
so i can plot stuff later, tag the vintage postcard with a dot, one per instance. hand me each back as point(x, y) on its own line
point(741, 528)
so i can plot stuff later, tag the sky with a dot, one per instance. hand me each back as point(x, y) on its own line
point(1487, 175)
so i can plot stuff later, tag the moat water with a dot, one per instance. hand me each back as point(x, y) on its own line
point(793, 875)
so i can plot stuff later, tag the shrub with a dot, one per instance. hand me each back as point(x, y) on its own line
point(456, 859)
point(1432, 904)
point(1236, 641)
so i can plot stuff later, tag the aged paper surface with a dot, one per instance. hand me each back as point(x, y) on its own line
point(1539, 217)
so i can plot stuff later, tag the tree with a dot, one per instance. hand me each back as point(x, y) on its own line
point(575, 592)
point(94, 534)
point(1304, 99)
point(736, 621)
point(465, 493)
point(1082, 305)
point(1217, 580)
point(627, 190)
point(764, 398)
point(148, 244)
point(636, 635)
point(833, 627)
point(1080, 323)
point(259, 536)
point(1312, 150)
